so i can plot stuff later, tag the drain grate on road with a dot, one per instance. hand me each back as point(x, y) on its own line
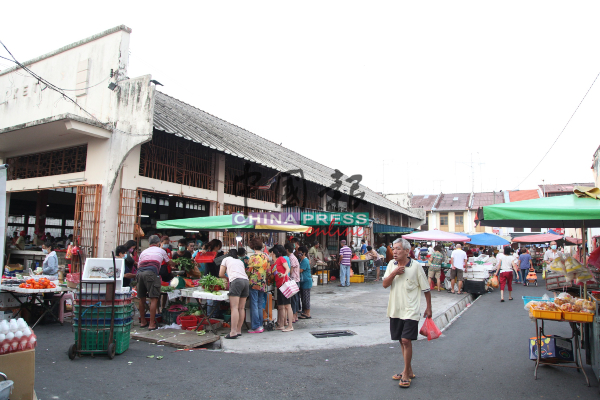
point(331, 334)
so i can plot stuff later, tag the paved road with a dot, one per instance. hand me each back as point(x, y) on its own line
point(482, 355)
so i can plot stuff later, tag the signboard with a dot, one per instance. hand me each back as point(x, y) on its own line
point(335, 218)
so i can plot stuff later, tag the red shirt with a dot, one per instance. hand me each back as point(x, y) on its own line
point(278, 267)
point(169, 254)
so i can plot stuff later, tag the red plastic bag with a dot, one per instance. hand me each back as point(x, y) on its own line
point(430, 329)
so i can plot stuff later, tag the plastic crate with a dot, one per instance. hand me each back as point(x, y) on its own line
point(357, 279)
point(556, 315)
point(527, 299)
point(98, 340)
point(123, 311)
point(171, 316)
point(88, 299)
point(102, 322)
point(577, 316)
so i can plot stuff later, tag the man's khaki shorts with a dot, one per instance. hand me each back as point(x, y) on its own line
point(148, 284)
point(434, 273)
point(454, 273)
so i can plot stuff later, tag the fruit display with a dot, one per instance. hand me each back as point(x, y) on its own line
point(42, 283)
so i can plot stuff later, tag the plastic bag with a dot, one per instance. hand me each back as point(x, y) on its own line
point(494, 282)
point(572, 265)
point(430, 329)
point(584, 275)
point(558, 266)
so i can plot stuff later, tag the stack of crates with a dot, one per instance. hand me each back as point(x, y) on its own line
point(95, 321)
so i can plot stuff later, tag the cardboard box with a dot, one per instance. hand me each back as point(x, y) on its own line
point(7, 313)
point(554, 349)
point(20, 368)
point(8, 300)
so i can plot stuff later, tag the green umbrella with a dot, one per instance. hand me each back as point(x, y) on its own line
point(568, 211)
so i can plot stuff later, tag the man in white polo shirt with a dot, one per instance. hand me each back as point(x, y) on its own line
point(459, 264)
point(407, 280)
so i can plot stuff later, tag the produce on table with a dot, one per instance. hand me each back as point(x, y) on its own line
point(213, 284)
point(42, 283)
point(166, 289)
point(185, 264)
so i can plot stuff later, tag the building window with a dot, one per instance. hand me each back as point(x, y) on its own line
point(536, 229)
point(173, 159)
point(444, 222)
point(518, 230)
point(56, 162)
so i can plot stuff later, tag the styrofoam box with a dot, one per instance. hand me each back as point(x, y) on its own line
point(8, 300)
point(107, 264)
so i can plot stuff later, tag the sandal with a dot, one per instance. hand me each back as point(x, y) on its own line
point(404, 383)
point(304, 317)
point(144, 326)
point(398, 377)
point(288, 330)
point(152, 329)
point(230, 337)
point(502, 301)
point(510, 298)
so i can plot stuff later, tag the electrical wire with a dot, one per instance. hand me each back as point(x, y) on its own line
point(49, 85)
point(561, 132)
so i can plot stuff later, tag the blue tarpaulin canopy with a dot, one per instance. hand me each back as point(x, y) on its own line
point(487, 239)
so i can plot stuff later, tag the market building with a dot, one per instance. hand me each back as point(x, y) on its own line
point(114, 152)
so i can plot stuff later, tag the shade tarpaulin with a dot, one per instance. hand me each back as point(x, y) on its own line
point(226, 222)
point(567, 211)
point(438, 236)
point(543, 238)
point(487, 239)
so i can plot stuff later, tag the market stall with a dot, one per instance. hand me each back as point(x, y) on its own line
point(204, 293)
point(41, 292)
point(579, 210)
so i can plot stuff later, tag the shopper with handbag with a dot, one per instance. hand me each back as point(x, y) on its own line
point(280, 270)
point(295, 275)
point(258, 272)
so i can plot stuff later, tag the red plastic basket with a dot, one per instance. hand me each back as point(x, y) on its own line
point(187, 321)
point(207, 257)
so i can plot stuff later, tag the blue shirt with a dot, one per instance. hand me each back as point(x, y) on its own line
point(382, 250)
point(306, 281)
point(50, 265)
point(524, 261)
point(363, 249)
point(287, 260)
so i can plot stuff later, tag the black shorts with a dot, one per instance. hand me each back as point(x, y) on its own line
point(282, 300)
point(404, 329)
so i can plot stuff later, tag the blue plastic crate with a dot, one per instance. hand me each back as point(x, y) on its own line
point(102, 322)
point(527, 299)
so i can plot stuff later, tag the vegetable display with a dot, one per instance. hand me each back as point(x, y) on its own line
point(42, 283)
point(212, 284)
point(185, 264)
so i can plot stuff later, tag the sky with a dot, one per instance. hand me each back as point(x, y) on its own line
point(415, 96)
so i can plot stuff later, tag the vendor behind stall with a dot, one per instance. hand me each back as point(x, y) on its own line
point(182, 251)
point(20, 243)
point(121, 252)
point(50, 264)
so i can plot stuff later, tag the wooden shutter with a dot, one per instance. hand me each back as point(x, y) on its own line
point(87, 218)
point(130, 209)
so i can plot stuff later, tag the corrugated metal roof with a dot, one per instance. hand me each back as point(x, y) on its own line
point(180, 119)
point(424, 201)
point(453, 201)
point(563, 187)
point(486, 199)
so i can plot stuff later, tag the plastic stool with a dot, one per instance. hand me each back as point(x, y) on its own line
point(61, 307)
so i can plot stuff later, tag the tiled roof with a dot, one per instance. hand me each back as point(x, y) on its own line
point(519, 195)
point(424, 201)
point(453, 201)
point(178, 118)
point(486, 199)
point(563, 187)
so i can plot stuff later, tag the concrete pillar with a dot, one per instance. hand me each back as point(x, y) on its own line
point(41, 208)
point(388, 217)
point(218, 208)
point(371, 235)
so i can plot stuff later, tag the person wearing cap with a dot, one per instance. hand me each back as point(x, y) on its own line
point(459, 265)
point(345, 257)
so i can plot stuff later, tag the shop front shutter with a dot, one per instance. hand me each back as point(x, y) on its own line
point(87, 219)
point(130, 209)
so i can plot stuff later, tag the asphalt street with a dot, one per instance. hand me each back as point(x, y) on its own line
point(484, 354)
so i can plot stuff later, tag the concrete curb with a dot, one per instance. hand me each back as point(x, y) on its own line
point(447, 318)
